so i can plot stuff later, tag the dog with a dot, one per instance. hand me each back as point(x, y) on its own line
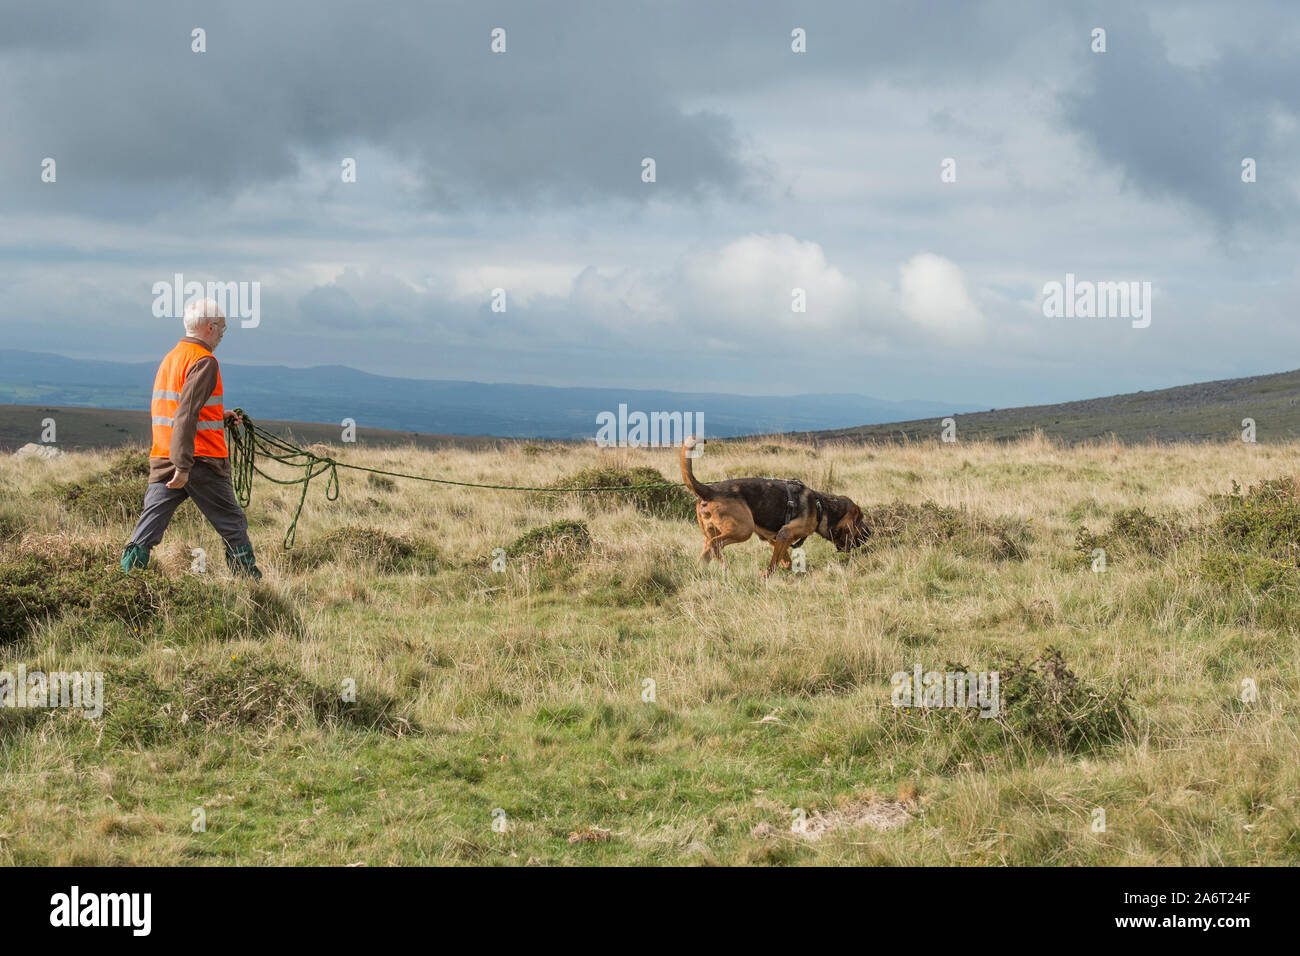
point(782, 513)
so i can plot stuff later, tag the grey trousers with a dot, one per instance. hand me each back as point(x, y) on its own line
point(214, 496)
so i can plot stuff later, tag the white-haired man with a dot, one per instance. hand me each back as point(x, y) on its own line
point(189, 458)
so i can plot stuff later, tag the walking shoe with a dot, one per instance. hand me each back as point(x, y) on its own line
point(135, 556)
point(240, 561)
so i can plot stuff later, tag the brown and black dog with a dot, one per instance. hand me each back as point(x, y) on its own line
point(782, 513)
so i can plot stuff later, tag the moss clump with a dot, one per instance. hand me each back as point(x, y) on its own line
point(642, 487)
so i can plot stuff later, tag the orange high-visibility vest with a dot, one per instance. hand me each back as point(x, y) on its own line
point(210, 436)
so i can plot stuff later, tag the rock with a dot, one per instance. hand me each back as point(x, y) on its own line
point(33, 450)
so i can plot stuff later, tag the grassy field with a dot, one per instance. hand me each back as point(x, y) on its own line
point(518, 696)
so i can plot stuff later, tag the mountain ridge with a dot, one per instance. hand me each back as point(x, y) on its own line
point(333, 392)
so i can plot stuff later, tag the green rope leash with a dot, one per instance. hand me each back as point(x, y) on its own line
point(247, 442)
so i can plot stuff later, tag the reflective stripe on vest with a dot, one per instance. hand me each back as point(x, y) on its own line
point(166, 395)
point(169, 383)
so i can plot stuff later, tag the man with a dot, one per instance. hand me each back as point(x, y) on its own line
point(189, 456)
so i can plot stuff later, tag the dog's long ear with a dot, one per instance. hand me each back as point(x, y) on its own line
point(850, 530)
point(835, 507)
point(861, 528)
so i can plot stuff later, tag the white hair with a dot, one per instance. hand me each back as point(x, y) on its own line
point(200, 312)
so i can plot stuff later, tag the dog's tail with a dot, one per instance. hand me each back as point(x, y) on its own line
point(704, 492)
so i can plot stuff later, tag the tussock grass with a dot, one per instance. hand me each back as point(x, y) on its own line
point(605, 685)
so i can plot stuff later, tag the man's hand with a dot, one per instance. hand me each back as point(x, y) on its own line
point(233, 418)
point(178, 480)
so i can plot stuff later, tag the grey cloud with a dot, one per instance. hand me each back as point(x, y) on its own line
point(1182, 132)
point(552, 120)
point(564, 118)
point(330, 306)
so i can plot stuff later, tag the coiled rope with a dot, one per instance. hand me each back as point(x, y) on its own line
point(247, 442)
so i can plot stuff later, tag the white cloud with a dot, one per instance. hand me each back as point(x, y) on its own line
point(523, 281)
point(629, 294)
point(752, 280)
point(932, 294)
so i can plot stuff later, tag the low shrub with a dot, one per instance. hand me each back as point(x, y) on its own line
point(132, 463)
point(371, 547)
point(1134, 532)
point(1263, 520)
point(1258, 574)
point(21, 605)
point(931, 524)
point(105, 502)
point(1045, 702)
point(556, 541)
point(642, 487)
point(113, 496)
point(11, 526)
point(245, 693)
point(1041, 704)
point(48, 582)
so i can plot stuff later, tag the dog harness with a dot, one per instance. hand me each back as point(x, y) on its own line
point(791, 509)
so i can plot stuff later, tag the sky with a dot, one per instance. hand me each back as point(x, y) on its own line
point(774, 170)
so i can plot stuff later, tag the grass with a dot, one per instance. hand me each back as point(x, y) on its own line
point(386, 696)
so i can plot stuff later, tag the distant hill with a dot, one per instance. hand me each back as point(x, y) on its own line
point(310, 403)
point(89, 428)
point(1208, 411)
point(332, 393)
